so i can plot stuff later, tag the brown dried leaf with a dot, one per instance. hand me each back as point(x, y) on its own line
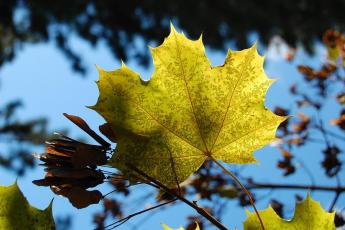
point(108, 132)
point(84, 126)
point(88, 155)
point(79, 197)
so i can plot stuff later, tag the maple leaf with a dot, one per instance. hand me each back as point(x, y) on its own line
point(166, 227)
point(308, 215)
point(16, 212)
point(168, 126)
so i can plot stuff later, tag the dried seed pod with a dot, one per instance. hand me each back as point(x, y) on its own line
point(66, 150)
point(75, 178)
point(108, 132)
point(84, 126)
point(79, 197)
point(71, 166)
point(88, 155)
point(74, 173)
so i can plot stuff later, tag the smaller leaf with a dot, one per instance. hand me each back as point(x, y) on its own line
point(16, 212)
point(166, 227)
point(308, 215)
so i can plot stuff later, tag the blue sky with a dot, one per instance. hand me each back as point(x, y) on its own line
point(42, 78)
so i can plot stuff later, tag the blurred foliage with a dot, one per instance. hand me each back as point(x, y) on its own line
point(124, 26)
point(18, 137)
point(63, 222)
point(121, 25)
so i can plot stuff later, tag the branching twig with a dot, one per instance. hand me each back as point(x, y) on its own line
point(337, 194)
point(200, 210)
point(294, 186)
point(127, 218)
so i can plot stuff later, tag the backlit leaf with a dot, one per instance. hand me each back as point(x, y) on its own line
point(308, 215)
point(16, 212)
point(166, 227)
point(168, 126)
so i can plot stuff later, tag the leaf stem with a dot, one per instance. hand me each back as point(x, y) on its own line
point(242, 187)
point(200, 210)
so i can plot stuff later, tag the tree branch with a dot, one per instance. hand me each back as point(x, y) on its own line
point(200, 210)
point(294, 186)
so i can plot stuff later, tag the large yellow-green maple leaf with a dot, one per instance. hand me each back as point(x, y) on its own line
point(188, 110)
point(16, 212)
point(309, 215)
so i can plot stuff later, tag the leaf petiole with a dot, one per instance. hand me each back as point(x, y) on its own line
point(242, 187)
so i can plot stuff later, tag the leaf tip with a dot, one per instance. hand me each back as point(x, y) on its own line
point(123, 64)
point(247, 212)
point(49, 208)
point(255, 45)
point(200, 40)
point(172, 28)
point(99, 69)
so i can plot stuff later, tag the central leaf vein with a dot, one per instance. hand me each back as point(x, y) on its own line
point(187, 88)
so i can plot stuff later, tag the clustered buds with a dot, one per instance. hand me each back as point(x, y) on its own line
point(71, 166)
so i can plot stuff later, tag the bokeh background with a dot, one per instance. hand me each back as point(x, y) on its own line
point(48, 53)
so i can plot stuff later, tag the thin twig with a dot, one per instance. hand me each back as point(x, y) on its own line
point(337, 194)
point(294, 186)
point(306, 169)
point(116, 190)
point(127, 218)
point(323, 132)
point(200, 210)
point(336, 197)
point(331, 133)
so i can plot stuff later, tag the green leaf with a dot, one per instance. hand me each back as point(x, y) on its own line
point(166, 227)
point(16, 212)
point(308, 215)
point(168, 126)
